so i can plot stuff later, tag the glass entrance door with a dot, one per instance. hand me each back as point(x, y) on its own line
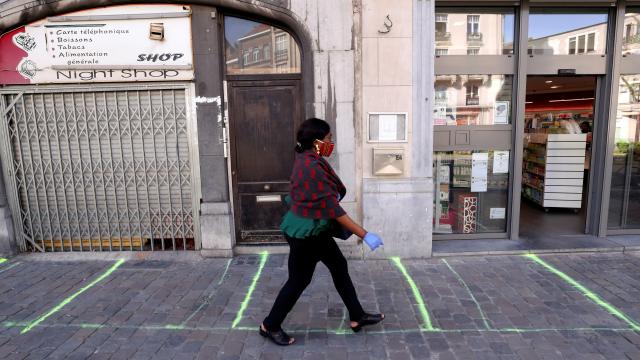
point(558, 133)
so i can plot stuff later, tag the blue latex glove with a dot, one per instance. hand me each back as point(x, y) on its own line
point(373, 240)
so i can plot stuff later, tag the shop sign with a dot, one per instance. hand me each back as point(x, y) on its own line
point(100, 45)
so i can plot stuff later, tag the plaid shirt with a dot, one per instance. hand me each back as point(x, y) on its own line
point(315, 188)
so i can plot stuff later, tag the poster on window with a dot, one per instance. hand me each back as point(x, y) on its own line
point(440, 114)
point(479, 170)
point(387, 127)
point(501, 113)
point(500, 162)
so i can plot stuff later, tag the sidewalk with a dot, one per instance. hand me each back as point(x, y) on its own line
point(573, 306)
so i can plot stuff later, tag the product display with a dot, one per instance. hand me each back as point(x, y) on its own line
point(553, 169)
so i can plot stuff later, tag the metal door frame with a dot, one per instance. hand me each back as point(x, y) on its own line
point(620, 65)
point(6, 153)
point(607, 69)
point(602, 110)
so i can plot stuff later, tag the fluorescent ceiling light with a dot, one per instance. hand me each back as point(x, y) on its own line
point(580, 99)
point(528, 102)
point(548, 82)
point(556, 86)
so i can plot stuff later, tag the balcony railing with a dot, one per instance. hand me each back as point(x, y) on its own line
point(633, 39)
point(443, 36)
point(474, 37)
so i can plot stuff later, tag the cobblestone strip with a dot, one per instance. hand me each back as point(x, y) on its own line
point(416, 294)
point(586, 292)
point(482, 314)
point(66, 301)
point(263, 259)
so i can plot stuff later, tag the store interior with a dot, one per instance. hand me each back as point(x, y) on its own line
point(557, 153)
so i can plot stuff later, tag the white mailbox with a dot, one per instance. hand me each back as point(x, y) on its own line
point(388, 162)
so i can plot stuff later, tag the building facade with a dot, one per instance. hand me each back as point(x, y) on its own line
point(185, 141)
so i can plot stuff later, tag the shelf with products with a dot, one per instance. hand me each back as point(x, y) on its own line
point(553, 178)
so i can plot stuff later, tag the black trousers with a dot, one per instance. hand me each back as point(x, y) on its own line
point(304, 254)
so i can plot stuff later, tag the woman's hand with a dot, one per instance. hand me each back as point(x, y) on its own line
point(373, 240)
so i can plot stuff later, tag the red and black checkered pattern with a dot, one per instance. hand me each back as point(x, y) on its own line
point(315, 188)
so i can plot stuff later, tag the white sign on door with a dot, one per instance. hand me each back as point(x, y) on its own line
point(479, 170)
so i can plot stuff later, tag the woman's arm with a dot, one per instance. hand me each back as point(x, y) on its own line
point(351, 225)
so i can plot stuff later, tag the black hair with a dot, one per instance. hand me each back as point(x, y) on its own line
point(309, 131)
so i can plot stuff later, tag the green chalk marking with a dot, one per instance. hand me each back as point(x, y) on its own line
point(224, 274)
point(416, 294)
point(263, 259)
point(586, 292)
point(341, 330)
point(10, 267)
point(174, 327)
point(204, 303)
point(482, 315)
point(72, 297)
point(9, 324)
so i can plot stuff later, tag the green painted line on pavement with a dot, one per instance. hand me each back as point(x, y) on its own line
point(482, 315)
point(69, 299)
point(204, 303)
point(263, 259)
point(9, 324)
point(10, 267)
point(341, 330)
point(586, 292)
point(225, 272)
point(416, 294)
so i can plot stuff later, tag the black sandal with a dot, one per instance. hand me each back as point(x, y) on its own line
point(279, 337)
point(367, 319)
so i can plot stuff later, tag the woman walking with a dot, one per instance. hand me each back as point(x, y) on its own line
point(314, 216)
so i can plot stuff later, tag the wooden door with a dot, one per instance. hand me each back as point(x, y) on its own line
point(263, 117)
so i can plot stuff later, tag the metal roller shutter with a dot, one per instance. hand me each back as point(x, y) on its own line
point(100, 170)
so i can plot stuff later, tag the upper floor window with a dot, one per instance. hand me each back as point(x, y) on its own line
point(582, 44)
point(441, 23)
point(567, 32)
point(490, 30)
point(245, 58)
point(473, 24)
point(253, 41)
point(631, 40)
point(267, 52)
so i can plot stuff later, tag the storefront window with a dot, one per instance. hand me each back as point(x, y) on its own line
point(473, 100)
point(624, 202)
point(631, 40)
point(471, 191)
point(248, 47)
point(474, 32)
point(562, 32)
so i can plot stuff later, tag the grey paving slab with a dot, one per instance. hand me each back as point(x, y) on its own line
point(179, 309)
